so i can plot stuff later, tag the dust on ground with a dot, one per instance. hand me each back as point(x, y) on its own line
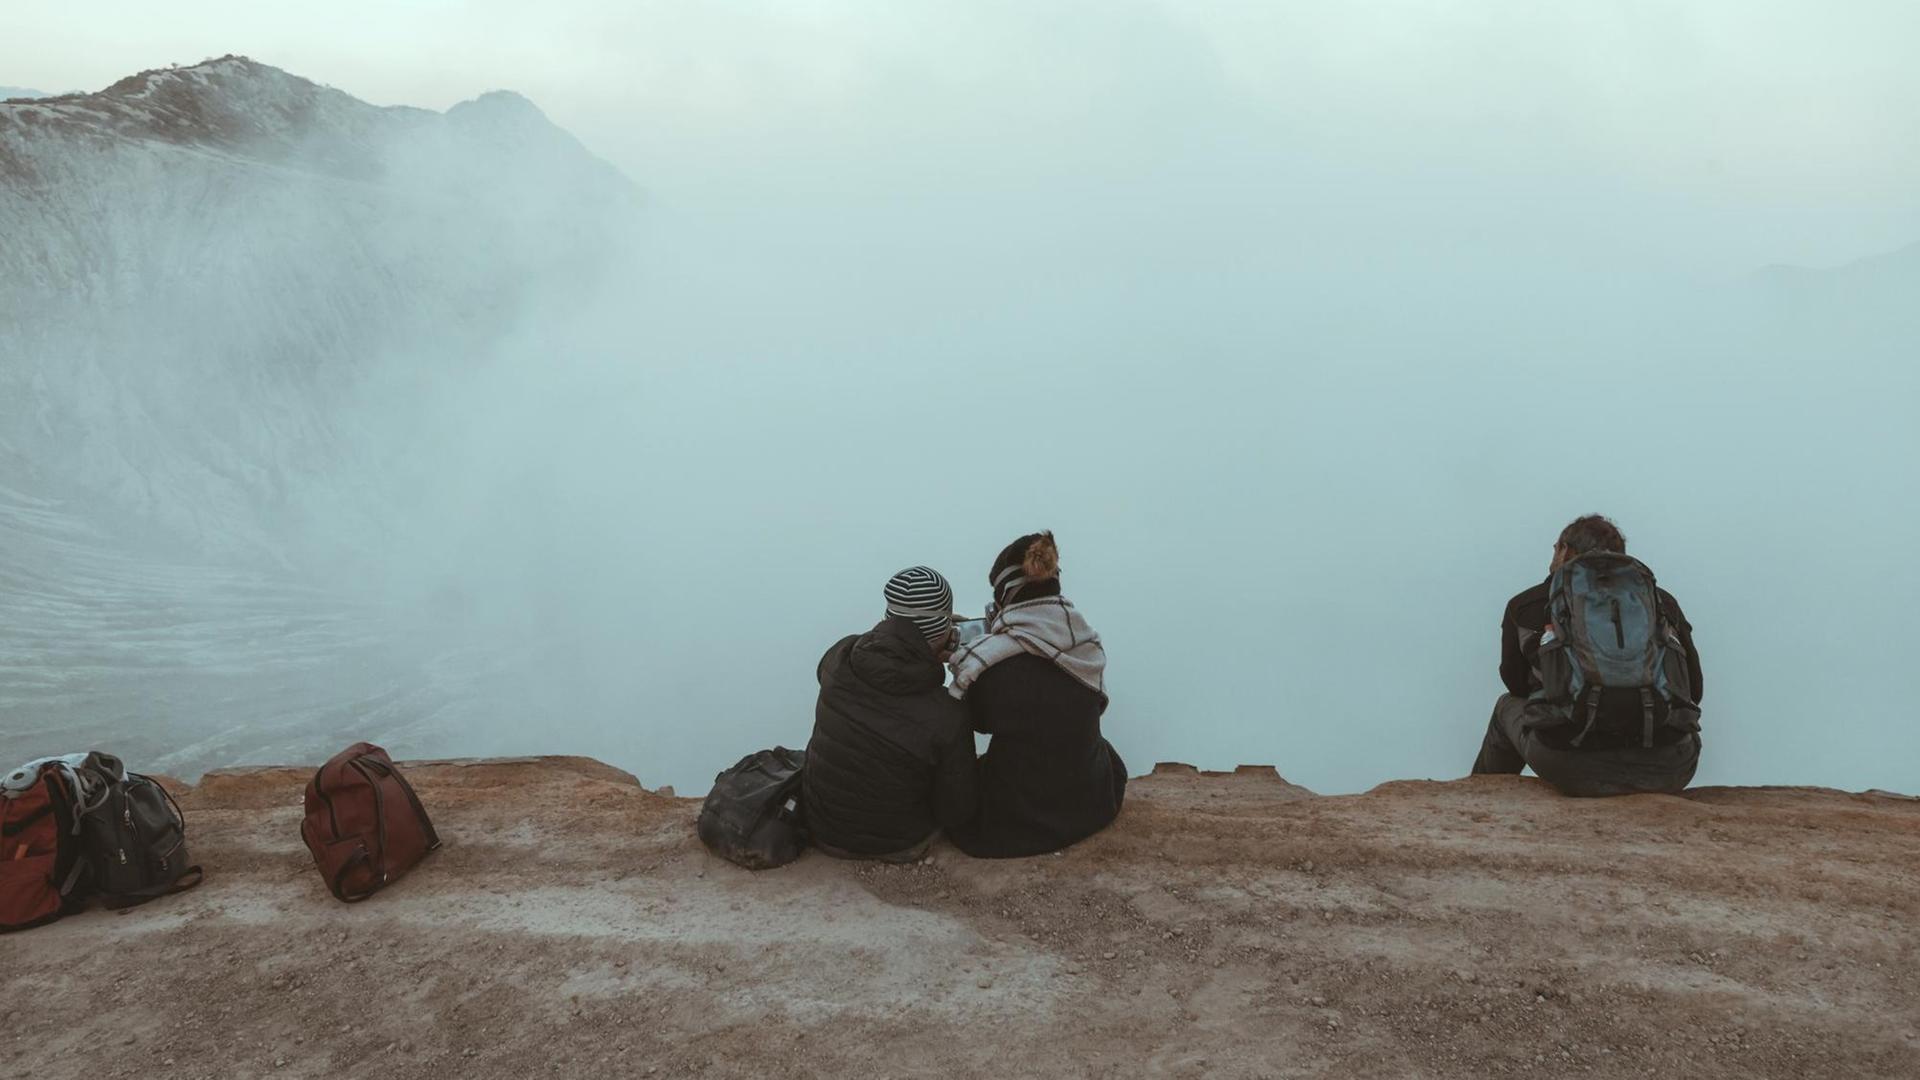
point(1228, 925)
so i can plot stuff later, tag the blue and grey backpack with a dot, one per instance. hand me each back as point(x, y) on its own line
point(1611, 663)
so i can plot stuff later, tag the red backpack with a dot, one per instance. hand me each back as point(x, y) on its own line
point(39, 852)
point(364, 825)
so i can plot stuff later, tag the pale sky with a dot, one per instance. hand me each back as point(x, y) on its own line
point(1711, 135)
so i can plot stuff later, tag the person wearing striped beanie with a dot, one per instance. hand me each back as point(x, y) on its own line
point(921, 596)
point(890, 762)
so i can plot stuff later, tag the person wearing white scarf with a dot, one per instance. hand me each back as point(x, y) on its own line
point(1036, 682)
point(1047, 626)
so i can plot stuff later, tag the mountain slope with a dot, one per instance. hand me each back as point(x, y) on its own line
point(1867, 308)
point(227, 296)
point(202, 262)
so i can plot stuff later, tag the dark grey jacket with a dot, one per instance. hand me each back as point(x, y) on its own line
point(891, 758)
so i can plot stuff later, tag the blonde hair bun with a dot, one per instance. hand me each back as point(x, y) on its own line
point(1042, 561)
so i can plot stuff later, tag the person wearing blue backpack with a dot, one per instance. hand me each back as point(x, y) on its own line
point(1603, 680)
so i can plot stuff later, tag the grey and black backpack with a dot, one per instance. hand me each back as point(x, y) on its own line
point(134, 843)
point(133, 837)
point(1612, 667)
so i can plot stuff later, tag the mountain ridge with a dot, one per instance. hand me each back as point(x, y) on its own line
point(231, 298)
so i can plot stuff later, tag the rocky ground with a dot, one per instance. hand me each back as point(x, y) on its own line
point(1228, 925)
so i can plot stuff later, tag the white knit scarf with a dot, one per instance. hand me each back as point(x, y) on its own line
point(1048, 627)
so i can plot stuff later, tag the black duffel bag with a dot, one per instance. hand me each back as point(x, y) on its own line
point(753, 817)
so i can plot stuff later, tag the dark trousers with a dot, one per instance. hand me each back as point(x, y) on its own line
point(1510, 747)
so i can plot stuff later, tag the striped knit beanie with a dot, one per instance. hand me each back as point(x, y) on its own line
point(921, 595)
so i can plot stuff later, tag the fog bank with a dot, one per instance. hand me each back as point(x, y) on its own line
point(1304, 338)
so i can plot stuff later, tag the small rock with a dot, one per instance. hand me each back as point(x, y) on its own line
point(1108, 955)
point(1539, 999)
point(279, 1063)
point(1307, 866)
point(984, 983)
point(1318, 1003)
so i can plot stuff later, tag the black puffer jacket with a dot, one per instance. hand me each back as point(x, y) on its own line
point(1048, 779)
point(891, 758)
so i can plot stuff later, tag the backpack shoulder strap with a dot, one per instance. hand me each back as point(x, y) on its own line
point(413, 798)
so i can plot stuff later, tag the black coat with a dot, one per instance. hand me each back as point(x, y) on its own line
point(1047, 779)
point(891, 758)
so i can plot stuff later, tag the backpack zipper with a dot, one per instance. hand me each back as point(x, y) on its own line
point(126, 817)
point(360, 765)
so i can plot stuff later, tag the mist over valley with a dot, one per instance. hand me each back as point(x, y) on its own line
point(322, 420)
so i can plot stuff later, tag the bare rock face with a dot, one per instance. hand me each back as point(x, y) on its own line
point(1255, 781)
point(1228, 924)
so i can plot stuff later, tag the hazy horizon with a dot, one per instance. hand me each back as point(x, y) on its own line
point(1285, 321)
point(1710, 120)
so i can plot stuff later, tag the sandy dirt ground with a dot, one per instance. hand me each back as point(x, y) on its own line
point(1227, 925)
